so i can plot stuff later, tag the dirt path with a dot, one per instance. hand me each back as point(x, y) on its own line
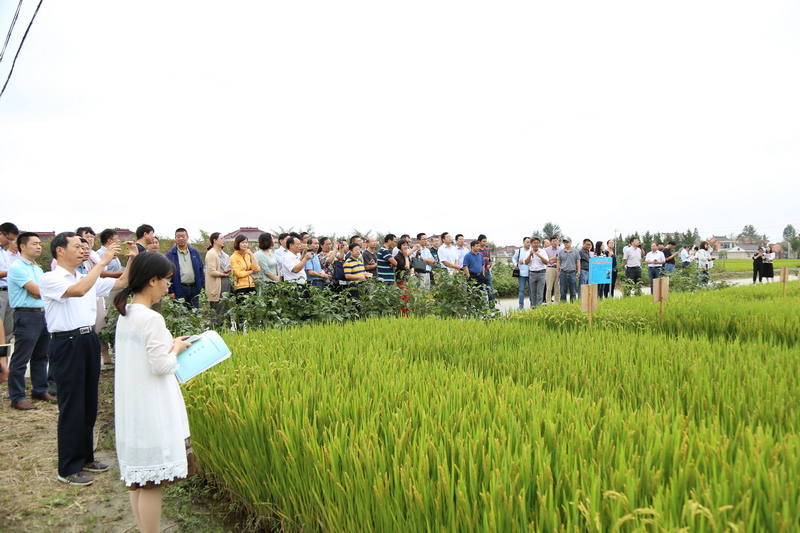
point(31, 499)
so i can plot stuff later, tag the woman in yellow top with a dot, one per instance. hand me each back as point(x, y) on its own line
point(244, 265)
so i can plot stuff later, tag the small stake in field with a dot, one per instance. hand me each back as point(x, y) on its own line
point(785, 278)
point(661, 292)
point(589, 300)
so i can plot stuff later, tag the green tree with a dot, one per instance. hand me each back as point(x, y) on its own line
point(548, 230)
point(789, 233)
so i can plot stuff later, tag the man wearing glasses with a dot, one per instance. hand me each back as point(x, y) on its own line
point(8, 238)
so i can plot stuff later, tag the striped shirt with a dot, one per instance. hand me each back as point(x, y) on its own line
point(353, 266)
point(385, 270)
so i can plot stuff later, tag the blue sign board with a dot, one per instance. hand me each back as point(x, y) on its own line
point(599, 270)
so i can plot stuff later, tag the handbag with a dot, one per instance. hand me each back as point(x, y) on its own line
point(515, 274)
point(418, 264)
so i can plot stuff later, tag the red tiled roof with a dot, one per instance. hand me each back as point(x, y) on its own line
point(252, 234)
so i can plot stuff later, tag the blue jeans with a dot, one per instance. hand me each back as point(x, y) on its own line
point(568, 279)
point(583, 281)
point(491, 287)
point(670, 268)
point(522, 281)
point(537, 285)
point(32, 343)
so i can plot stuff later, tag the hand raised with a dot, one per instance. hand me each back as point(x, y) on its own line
point(111, 252)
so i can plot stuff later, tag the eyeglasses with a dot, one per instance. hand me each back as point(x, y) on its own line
point(169, 283)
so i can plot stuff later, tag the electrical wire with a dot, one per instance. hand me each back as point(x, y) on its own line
point(11, 29)
point(20, 48)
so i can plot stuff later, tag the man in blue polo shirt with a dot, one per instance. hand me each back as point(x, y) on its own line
point(386, 262)
point(474, 265)
point(31, 338)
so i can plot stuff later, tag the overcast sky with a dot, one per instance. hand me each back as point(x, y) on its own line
point(469, 117)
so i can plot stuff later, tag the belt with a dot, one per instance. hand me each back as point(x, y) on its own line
point(30, 309)
point(3, 288)
point(80, 331)
point(569, 271)
point(189, 284)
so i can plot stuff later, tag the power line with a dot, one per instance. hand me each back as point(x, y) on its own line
point(11, 29)
point(20, 48)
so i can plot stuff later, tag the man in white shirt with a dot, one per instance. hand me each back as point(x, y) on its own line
point(448, 256)
point(685, 259)
point(632, 258)
point(293, 264)
point(537, 271)
point(655, 262)
point(70, 301)
point(553, 290)
point(462, 249)
point(281, 251)
point(8, 238)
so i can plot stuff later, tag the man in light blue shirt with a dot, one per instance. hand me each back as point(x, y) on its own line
point(32, 339)
point(8, 238)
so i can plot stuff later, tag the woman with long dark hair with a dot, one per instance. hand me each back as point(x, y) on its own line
point(218, 271)
point(244, 265)
point(151, 427)
point(768, 268)
point(600, 251)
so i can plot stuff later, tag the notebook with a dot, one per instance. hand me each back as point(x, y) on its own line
point(209, 350)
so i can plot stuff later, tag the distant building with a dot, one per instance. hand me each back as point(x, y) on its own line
point(43, 235)
point(744, 251)
point(252, 235)
point(720, 243)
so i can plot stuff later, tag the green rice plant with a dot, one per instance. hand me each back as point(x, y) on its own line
point(428, 424)
point(758, 313)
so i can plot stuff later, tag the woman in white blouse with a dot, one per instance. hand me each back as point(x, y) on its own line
point(151, 426)
point(703, 257)
point(767, 267)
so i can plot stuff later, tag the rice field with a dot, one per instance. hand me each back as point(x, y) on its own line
point(514, 425)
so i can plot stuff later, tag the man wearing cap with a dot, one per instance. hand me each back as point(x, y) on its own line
point(70, 301)
point(31, 338)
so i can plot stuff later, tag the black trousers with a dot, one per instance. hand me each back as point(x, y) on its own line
point(75, 365)
point(633, 273)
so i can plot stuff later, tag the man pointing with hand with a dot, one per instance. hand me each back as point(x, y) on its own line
point(70, 300)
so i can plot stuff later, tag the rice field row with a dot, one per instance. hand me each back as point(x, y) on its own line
point(759, 314)
point(448, 425)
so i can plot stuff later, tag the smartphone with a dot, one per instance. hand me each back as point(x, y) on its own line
point(4, 350)
point(193, 338)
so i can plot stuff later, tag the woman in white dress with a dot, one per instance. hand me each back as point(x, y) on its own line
point(152, 429)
